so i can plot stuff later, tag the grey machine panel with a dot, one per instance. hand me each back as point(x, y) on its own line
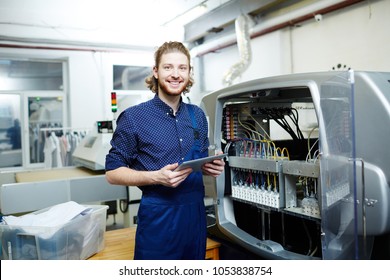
point(313, 187)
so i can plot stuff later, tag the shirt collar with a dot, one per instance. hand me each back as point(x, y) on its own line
point(165, 108)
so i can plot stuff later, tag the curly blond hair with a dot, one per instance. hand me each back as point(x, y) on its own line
point(169, 47)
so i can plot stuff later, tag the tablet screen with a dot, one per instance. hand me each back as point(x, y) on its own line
point(196, 164)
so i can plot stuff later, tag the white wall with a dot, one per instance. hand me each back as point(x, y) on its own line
point(265, 61)
point(357, 36)
point(268, 59)
point(90, 77)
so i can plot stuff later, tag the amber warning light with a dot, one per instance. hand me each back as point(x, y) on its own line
point(114, 106)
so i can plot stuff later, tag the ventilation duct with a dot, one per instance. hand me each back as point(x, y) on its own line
point(242, 25)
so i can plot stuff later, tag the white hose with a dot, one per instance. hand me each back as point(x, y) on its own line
point(244, 48)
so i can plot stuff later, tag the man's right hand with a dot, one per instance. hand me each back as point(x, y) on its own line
point(170, 178)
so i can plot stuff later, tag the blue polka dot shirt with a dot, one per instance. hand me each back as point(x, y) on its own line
point(149, 136)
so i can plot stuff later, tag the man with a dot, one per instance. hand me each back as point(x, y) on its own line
point(149, 142)
point(14, 134)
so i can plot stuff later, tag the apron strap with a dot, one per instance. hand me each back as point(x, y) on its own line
point(194, 123)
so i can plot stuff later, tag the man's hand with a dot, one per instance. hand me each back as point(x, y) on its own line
point(168, 177)
point(214, 168)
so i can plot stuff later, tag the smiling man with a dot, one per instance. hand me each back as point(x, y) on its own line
point(151, 139)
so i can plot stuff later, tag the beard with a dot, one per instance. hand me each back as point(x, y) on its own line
point(165, 88)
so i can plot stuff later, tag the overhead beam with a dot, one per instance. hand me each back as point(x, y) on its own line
point(223, 16)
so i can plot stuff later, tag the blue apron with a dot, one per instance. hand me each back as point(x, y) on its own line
point(172, 221)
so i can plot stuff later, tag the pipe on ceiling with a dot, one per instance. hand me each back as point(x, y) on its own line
point(197, 51)
point(231, 40)
point(70, 46)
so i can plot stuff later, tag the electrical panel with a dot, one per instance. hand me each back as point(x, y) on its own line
point(299, 183)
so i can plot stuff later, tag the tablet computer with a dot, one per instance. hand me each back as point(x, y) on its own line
point(196, 164)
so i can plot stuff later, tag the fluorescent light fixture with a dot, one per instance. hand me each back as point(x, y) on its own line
point(187, 16)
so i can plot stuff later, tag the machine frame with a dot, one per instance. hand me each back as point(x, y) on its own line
point(352, 109)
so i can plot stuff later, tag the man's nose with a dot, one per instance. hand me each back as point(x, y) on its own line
point(175, 72)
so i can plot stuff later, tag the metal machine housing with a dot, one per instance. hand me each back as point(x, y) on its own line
point(349, 200)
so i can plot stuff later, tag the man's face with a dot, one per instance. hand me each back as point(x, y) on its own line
point(172, 73)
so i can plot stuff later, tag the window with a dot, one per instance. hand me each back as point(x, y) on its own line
point(130, 77)
point(31, 101)
point(44, 118)
point(10, 131)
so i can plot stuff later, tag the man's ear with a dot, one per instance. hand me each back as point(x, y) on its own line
point(155, 72)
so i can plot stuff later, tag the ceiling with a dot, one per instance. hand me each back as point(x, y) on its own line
point(95, 13)
point(133, 22)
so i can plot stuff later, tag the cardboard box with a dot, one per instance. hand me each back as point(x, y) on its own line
point(78, 239)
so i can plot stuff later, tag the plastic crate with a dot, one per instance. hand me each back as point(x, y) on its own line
point(78, 239)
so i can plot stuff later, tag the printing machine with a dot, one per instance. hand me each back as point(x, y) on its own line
point(92, 150)
point(307, 176)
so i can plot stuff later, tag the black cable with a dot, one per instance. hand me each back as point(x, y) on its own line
point(284, 126)
point(309, 237)
point(297, 124)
